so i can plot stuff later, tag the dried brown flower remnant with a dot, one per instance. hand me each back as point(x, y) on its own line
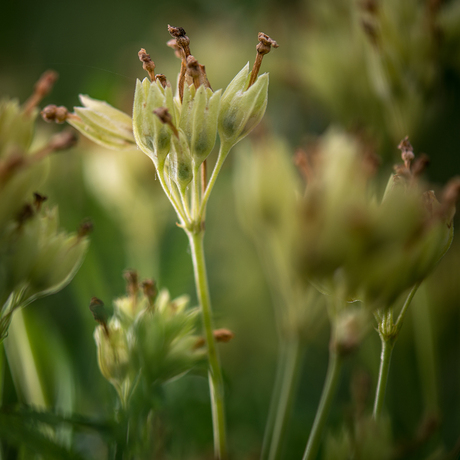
point(220, 335)
point(85, 228)
point(183, 43)
point(162, 79)
point(193, 69)
point(51, 113)
point(450, 196)
point(263, 48)
point(147, 64)
point(96, 307)
point(223, 335)
point(39, 200)
point(41, 89)
point(132, 282)
point(165, 117)
point(150, 290)
point(407, 151)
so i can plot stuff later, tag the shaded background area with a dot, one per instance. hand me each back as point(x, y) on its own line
point(318, 77)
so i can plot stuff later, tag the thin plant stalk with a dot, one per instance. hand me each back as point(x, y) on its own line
point(223, 152)
point(388, 334)
point(283, 396)
point(385, 359)
point(215, 372)
point(329, 389)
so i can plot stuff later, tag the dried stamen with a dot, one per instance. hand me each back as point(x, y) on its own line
point(132, 282)
point(263, 48)
point(148, 65)
point(150, 291)
point(41, 89)
point(52, 113)
point(193, 69)
point(162, 79)
point(182, 42)
point(39, 200)
point(223, 335)
point(96, 307)
point(85, 228)
point(407, 152)
point(165, 117)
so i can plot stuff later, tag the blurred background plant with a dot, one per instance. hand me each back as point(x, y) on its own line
point(380, 70)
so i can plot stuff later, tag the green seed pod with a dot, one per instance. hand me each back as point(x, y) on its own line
point(180, 161)
point(103, 124)
point(113, 352)
point(40, 260)
point(152, 136)
point(242, 109)
point(198, 120)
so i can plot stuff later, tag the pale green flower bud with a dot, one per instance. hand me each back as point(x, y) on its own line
point(41, 258)
point(103, 124)
point(113, 352)
point(350, 327)
point(198, 120)
point(152, 136)
point(180, 161)
point(165, 341)
point(37, 259)
point(242, 109)
point(16, 127)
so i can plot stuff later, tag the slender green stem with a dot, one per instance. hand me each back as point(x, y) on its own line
point(196, 191)
point(271, 419)
point(388, 332)
point(215, 373)
point(330, 385)
point(223, 152)
point(176, 204)
point(285, 395)
point(385, 359)
point(408, 301)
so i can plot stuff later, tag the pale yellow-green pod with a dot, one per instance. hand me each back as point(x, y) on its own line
point(242, 109)
point(103, 124)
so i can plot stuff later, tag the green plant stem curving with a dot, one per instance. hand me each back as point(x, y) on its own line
point(330, 385)
point(388, 343)
point(215, 373)
point(284, 394)
point(385, 358)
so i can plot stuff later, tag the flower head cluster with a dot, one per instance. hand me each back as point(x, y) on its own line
point(147, 340)
point(179, 132)
point(36, 258)
point(362, 247)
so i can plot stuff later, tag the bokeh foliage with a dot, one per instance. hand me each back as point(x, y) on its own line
point(93, 46)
